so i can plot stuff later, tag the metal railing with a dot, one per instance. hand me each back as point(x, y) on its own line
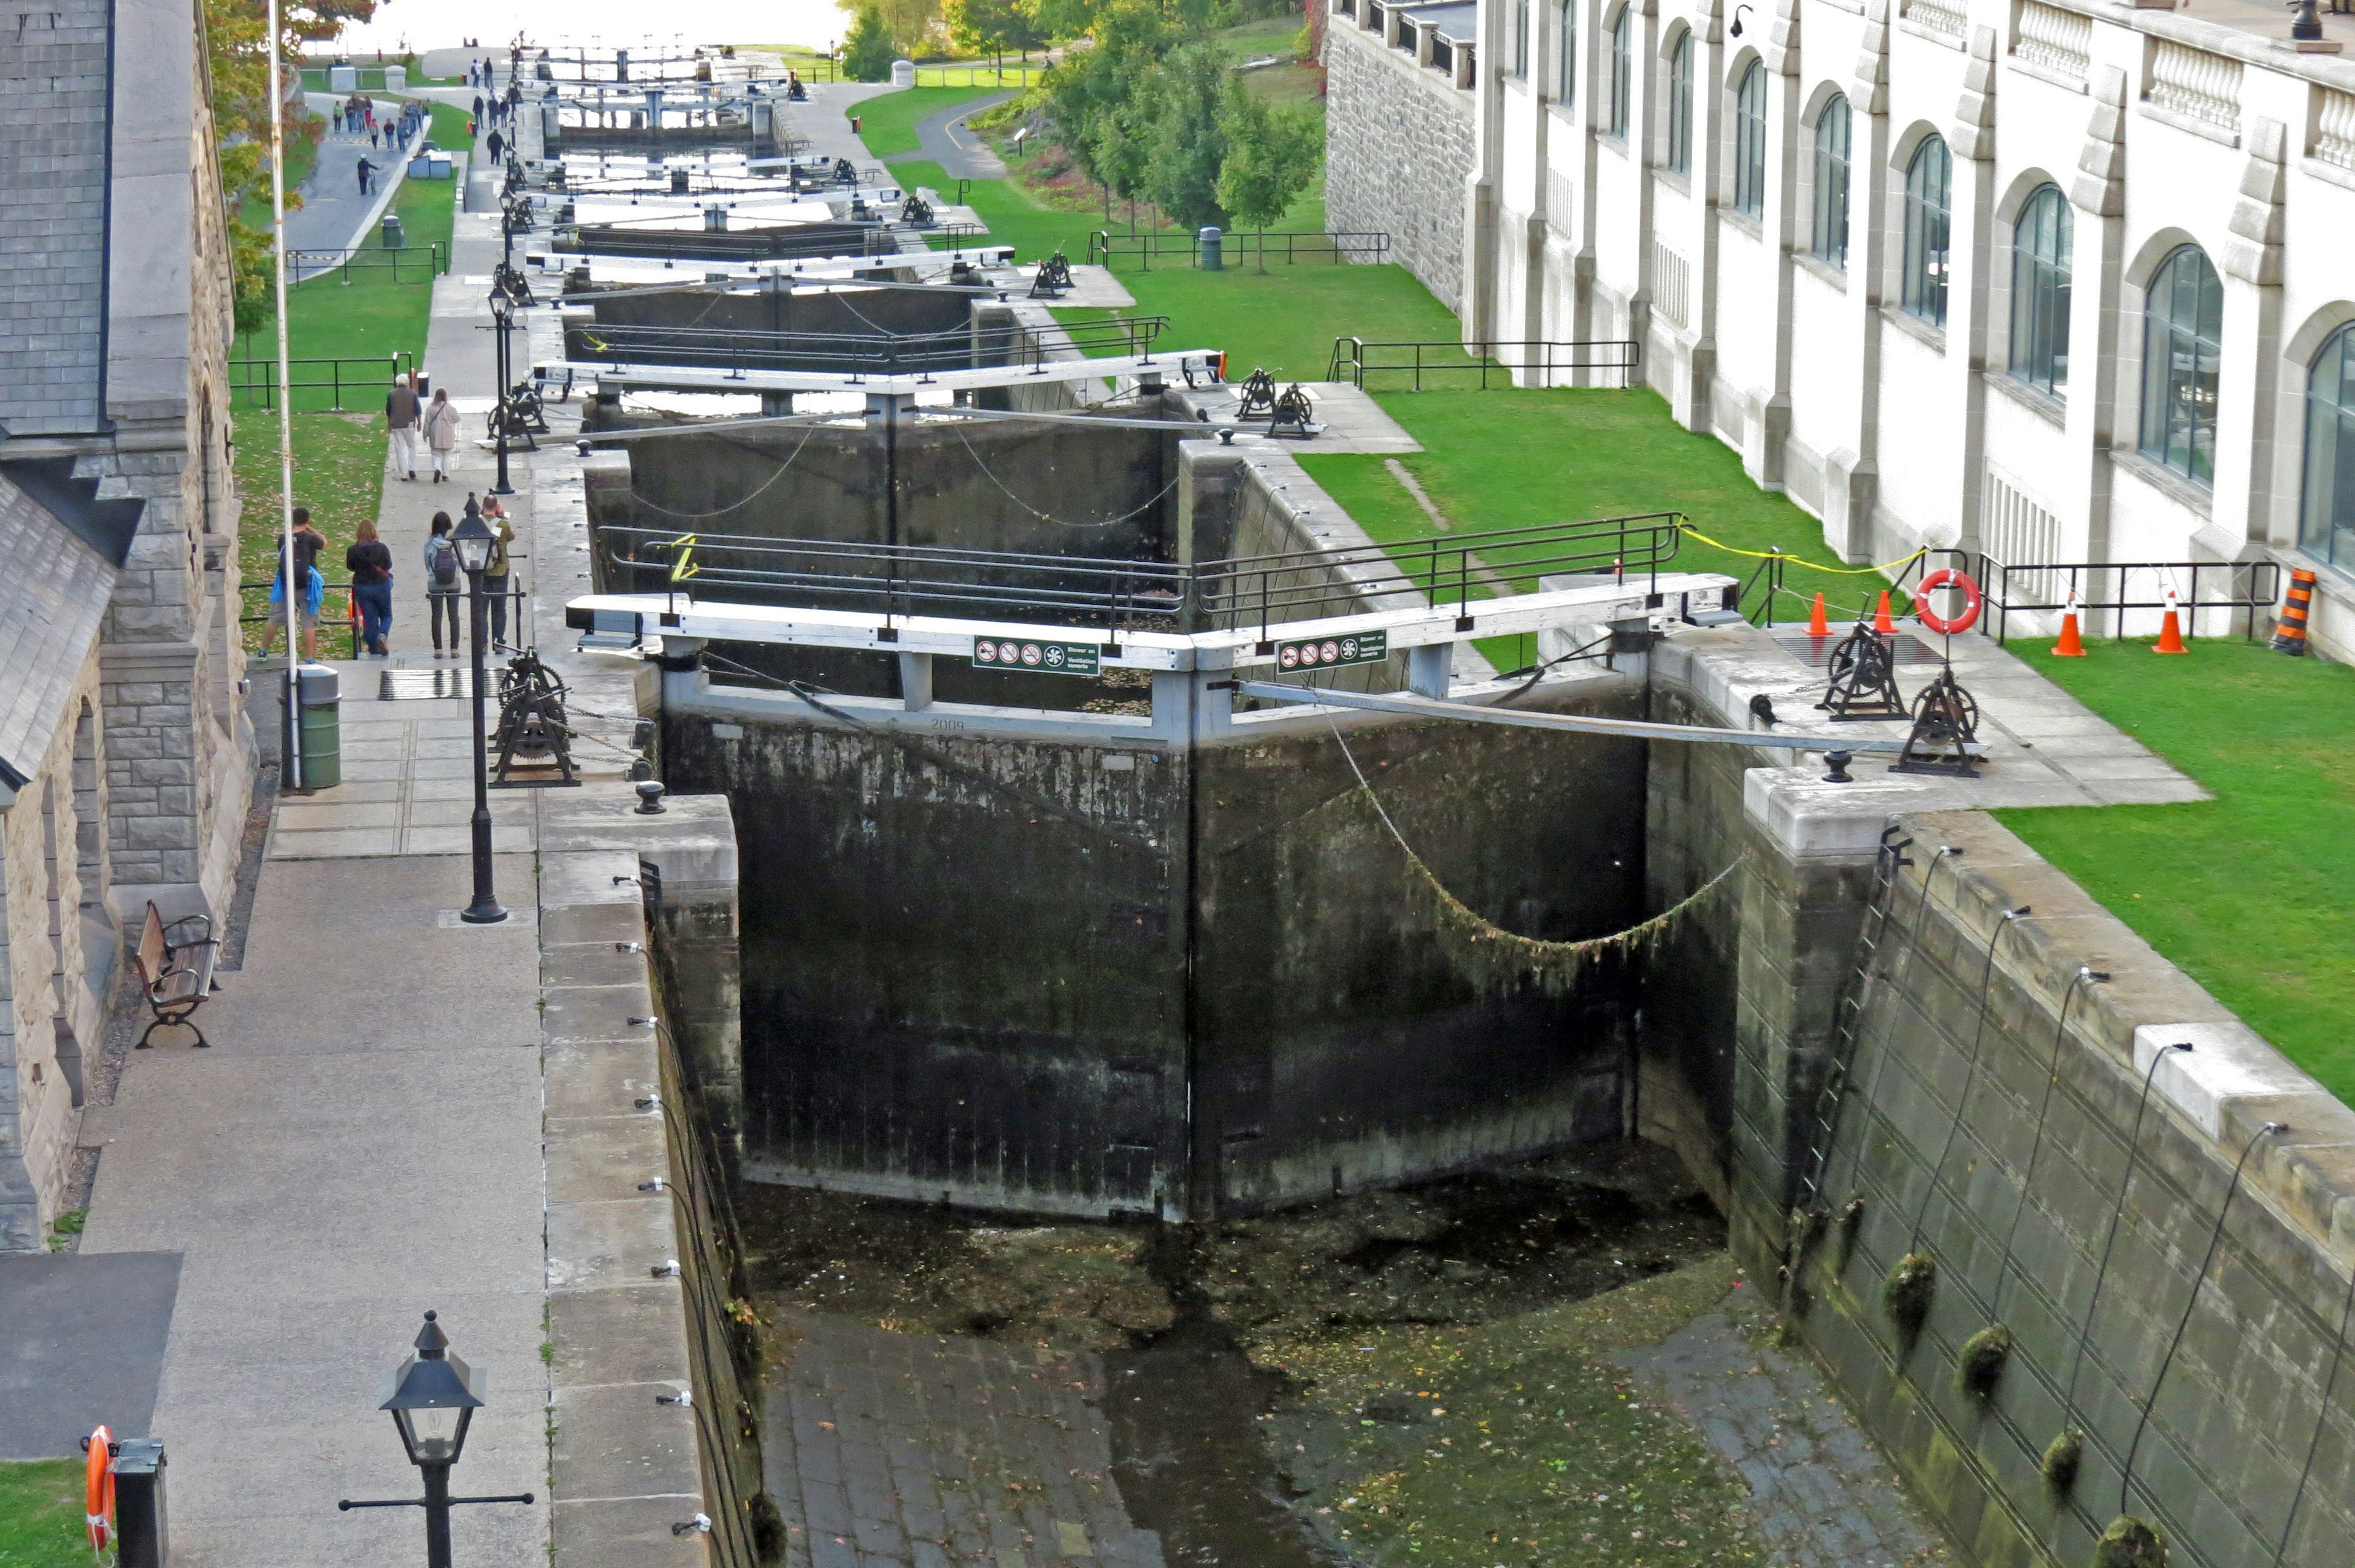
point(426, 261)
point(860, 353)
point(1261, 591)
point(1355, 359)
point(276, 614)
point(2121, 586)
point(978, 75)
point(1768, 582)
point(1291, 246)
point(373, 374)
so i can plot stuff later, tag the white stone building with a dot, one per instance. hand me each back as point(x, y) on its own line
point(126, 764)
point(2058, 279)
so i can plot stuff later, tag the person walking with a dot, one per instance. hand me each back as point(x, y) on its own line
point(444, 585)
point(496, 144)
point(441, 431)
point(308, 542)
point(495, 575)
point(370, 563)
point(478, 106)
point(363, 169)
point(401, 411)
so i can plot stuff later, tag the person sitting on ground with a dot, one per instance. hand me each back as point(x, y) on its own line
point(370, 564)
point(441, 431)
point(307, 544)
point(444, 583)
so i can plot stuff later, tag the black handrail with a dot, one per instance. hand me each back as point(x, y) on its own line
point(1353, 358)
point(1372, 245)
point(1244, 590)
point(2010, 586)
point(883, 354)
point(375, 378)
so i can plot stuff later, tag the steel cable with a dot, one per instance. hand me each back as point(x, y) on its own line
point(1970, 1075)
point(2036, 1144)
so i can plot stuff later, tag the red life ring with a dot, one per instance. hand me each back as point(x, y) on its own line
point(1947, 578)
point(97, 1490)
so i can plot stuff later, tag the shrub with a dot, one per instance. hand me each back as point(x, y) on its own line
point(1907, 1293)
point(2061, 1457)
point(1980, 1366)
point(2130, 1543)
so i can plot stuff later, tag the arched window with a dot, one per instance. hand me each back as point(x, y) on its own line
point(2040, 292)
point(1750, 141)
point(1521, 39)
point(1622, 27)
point(1927, 180)
point(1568, 92)
point(2183, 328)
point(2327, 528)
point(1831, 182)
point(1680, 104)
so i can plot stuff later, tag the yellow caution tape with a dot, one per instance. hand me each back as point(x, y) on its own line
point(1811, 566)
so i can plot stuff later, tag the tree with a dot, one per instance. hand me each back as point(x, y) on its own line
point(1097, 95)
point(908, 23)
point(867, 53)
point(1271, 156)
point(995, 25)
point(1189, 139)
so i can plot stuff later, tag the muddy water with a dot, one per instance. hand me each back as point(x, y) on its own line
point(1213, 1339)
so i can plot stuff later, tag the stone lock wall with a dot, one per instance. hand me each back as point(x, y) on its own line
point(1398, 154)
point(1981, 1133)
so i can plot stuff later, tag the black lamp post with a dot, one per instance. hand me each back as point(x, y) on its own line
point(2306, 27)
point(474, 541)
point(502, 317)
point(432, 1397)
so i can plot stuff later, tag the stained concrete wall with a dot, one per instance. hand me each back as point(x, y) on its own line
point(1964, 1080)
point(1399, 148)
point(990, 971)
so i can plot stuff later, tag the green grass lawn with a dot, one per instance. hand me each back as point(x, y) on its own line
point(2247, 891)
point(887, 123)
point(40, 1515)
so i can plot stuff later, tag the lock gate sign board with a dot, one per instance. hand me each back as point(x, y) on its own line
point(1040, 658)
point(1318, 653)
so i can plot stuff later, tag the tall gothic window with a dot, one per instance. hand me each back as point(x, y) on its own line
point(1927, 180)
point(1831, 182)
point(2040, 292)
point(1749, 142)
point(1622, 27)
point(2183, 328)
point(2327, 525)
point(1568, 63)
point(1680, 104)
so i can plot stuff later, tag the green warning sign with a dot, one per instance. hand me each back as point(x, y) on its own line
point(1318, 653)
point(1039, 658)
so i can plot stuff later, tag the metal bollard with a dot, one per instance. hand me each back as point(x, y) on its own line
point(138, 1469)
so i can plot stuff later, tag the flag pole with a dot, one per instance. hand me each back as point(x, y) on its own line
point(290, 766)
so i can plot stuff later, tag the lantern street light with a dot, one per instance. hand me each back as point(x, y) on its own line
point(474, 541)
point(501, 319)
point(432, 1397)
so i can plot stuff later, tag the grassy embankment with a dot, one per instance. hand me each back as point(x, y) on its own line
point(339, 456)
point(40, 1515)
point(2242, 892)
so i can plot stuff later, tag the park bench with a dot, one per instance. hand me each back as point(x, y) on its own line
point(176, 970)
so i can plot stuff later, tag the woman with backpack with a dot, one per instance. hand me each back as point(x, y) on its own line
point(444, 585)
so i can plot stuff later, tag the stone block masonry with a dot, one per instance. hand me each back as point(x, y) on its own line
point(1983, 1131)
point(1397, 152)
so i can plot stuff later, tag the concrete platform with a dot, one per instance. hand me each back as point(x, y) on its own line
point(1352, 420)
point(1095, 286)
point(82, 1343)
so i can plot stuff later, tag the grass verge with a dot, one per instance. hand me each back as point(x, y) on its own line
point(887, 122)
point(40, 1515)
point(2247, 891)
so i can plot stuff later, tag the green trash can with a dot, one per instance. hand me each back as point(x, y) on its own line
point(318, 696)
point(396, 237)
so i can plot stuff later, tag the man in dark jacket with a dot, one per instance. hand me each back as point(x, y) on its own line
point(496, 144)
point(365, 169)
point(401, 420)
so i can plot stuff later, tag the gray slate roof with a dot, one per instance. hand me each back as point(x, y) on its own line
point(54, 591)
point(53, 174)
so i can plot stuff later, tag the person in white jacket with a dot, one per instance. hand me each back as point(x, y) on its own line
point(441, 431)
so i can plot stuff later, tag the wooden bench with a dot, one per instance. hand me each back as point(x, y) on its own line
point(176, 970)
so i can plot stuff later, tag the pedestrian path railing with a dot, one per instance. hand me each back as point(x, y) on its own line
point(1608, 362)
point(410, 265)
point(979, 75)
point(253, 383)
point(2251, 587)
point(1288, 246)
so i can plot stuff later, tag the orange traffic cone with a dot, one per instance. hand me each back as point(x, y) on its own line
point(2071, 645)
point(2170, 630)
point(1818, 624)
point(1880, 620)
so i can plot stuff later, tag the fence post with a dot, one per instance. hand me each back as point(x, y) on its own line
point(336, 368)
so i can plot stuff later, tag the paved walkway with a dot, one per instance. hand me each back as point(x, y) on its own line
point(335, 217)
point(949, 141)
point(363, 1140)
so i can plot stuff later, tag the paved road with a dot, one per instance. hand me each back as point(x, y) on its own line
point(953, 144)
point(334, 215)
